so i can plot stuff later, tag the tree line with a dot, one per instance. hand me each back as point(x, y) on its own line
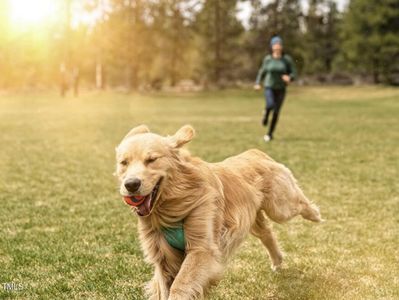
point(149, 44)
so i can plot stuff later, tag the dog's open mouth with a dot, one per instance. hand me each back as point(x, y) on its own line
point(144, 204)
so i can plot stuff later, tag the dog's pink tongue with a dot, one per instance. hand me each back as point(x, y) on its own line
point(145, 207)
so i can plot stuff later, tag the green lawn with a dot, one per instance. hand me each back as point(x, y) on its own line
point(66, 233)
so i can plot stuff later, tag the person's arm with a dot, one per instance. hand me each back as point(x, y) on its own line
point(261, 73)
point(291, 68)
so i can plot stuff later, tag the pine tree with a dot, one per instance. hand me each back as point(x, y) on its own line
point(371, 38)
point(5, 48)
point(321, 37)
point(174, 37)
point(219, 31)
point(126, 44)
point(333, 21)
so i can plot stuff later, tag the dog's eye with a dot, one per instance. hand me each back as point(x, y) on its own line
point(124, 162)
point(150, 160)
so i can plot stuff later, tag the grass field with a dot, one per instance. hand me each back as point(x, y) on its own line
point(66, 233)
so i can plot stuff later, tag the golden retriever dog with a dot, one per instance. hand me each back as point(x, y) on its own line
point(217, 203)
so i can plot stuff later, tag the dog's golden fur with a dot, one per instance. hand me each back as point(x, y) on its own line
point(219, 203)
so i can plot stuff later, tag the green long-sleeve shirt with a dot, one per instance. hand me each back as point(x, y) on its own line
point(272, 69)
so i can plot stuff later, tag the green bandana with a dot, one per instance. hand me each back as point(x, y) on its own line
point(175, 236)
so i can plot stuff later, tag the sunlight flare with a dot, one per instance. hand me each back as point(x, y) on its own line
point(31, 12)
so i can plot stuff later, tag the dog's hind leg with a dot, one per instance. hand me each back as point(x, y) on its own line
point(284, 199)
point(262, 230)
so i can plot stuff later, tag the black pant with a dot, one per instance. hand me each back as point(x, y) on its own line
point(274, 102)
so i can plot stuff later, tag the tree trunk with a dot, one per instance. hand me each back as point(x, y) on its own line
point(217, 67)
point(100, 84)
point(133, 65)
point(63, 79)
point(75, 80)
point(100, 69)
point(173, 61)
point(66, 51)
point(376, 73)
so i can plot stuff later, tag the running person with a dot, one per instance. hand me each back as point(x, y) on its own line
point(276, 71)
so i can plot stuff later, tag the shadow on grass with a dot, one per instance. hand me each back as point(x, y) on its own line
point(295, 283)
point(302, 139)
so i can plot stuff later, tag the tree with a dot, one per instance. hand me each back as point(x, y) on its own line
point(332, 41)
point(371, 38)
point(126, 41)
point(173, 31)
point(321, 37)
point(4, 42)
point(219, 31)
point(69, 45)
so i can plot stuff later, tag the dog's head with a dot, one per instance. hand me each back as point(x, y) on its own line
point(144, 160)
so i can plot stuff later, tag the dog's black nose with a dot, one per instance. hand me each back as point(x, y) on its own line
point(132, 185)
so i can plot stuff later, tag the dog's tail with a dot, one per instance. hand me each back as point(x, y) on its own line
point(309, 210)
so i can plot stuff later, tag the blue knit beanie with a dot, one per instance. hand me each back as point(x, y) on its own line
point(276, 40)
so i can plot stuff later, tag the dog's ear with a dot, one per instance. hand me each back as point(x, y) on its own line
point(182, 136)
point(137, 130)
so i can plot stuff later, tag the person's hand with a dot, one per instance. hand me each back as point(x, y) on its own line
point(286, 78)
point(257, 87)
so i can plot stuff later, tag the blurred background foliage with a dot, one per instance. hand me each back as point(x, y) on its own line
point(136, 44)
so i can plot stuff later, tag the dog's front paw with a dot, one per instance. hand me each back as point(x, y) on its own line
point(179, 295)
point(275, 268)
point(153, 291)
point(277, 262)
